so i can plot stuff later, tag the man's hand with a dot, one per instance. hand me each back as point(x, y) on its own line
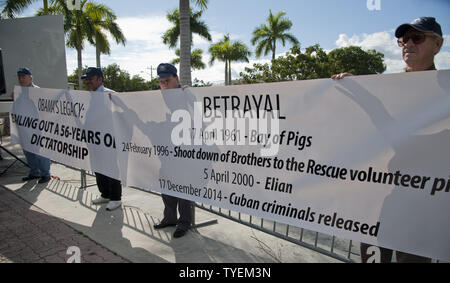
point(184, 87)
point(341, 76)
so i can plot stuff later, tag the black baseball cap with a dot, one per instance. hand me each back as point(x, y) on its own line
point(23, 71)
point(92, 71)
point(165, 70)
point(425, 24)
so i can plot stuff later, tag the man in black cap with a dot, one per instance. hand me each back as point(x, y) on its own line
point(168, 79)
point(167, 76)
point(110, 189)
point(421, 40)
point(39, 165)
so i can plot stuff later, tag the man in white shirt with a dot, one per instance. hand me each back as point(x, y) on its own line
point(39, 165)
point(420, 41)
point(110, 189)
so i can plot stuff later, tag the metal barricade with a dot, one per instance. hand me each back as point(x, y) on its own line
point(340, 249)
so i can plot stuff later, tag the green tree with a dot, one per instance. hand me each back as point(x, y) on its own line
point(315, 63)
point(185, 39)
point(312, 64)
point(267, 35)
point(196, 59)
point(354, 60)
point(14, 7)
point(200, 83)
point(119, 80)
point(104, 21)
point(171, 36)
point(227, 51)
point(86, 24)
point(260, 73)
point(73, 78)
point(102, 18)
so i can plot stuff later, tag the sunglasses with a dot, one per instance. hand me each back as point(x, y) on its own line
point(417, 38)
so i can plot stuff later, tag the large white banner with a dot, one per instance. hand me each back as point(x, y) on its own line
point(364, 158)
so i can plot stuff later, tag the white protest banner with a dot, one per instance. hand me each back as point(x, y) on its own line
point(70, 127)
point(364, 158)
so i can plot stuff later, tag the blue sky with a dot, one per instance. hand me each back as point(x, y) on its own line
point(330, 23)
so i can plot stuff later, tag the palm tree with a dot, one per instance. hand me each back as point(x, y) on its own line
point(267, 35)
point(87, 24)
point(196, 59)
point(185, 39)
point(171, 36)
point(13, 7)
point(104, 20)
point(226, 51)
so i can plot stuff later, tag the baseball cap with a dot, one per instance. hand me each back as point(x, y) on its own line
point(23, 71)
point(425, 24)
point(92, 71)
point(165, 70)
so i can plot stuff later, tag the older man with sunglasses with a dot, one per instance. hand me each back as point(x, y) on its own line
point(420, 41)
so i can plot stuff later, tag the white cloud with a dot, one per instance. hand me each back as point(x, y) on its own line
point(383, 42)
point(144, 50)
point(149, 29)
point(446, 40)
point(442, 60)
point(216, 72)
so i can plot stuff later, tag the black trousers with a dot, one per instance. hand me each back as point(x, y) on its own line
point(109, 188)
point(386, 256)
point(170, 211)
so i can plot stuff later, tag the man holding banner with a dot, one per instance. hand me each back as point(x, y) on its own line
point(420, 40)
point(168, 79)
point(39, 165)
point(110, 189)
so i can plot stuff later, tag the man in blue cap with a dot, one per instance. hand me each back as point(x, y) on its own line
point(421, 40)
point(167, 76)
point(110, 189)
point(93, 78)
point(168, 79)
point(39, 165)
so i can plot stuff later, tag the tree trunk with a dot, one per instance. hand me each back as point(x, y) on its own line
point(45, 7)
point(226, 72)
point(273, 50)
point(229, 73)
point(185, 43)
point(80, 67)
point(97, 55)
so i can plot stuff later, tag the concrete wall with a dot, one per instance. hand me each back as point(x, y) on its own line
point(37, 43)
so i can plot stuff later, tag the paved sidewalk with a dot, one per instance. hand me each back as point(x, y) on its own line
point(40, 222)
point(28, 234)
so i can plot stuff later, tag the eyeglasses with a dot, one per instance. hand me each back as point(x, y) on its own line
point(417, 38)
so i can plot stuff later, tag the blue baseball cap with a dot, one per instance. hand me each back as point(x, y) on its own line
point(23, 71)
point(92, 71)
point(425, 24)
point(165, 70)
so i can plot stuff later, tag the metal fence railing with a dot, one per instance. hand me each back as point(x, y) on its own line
point(337, 248)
